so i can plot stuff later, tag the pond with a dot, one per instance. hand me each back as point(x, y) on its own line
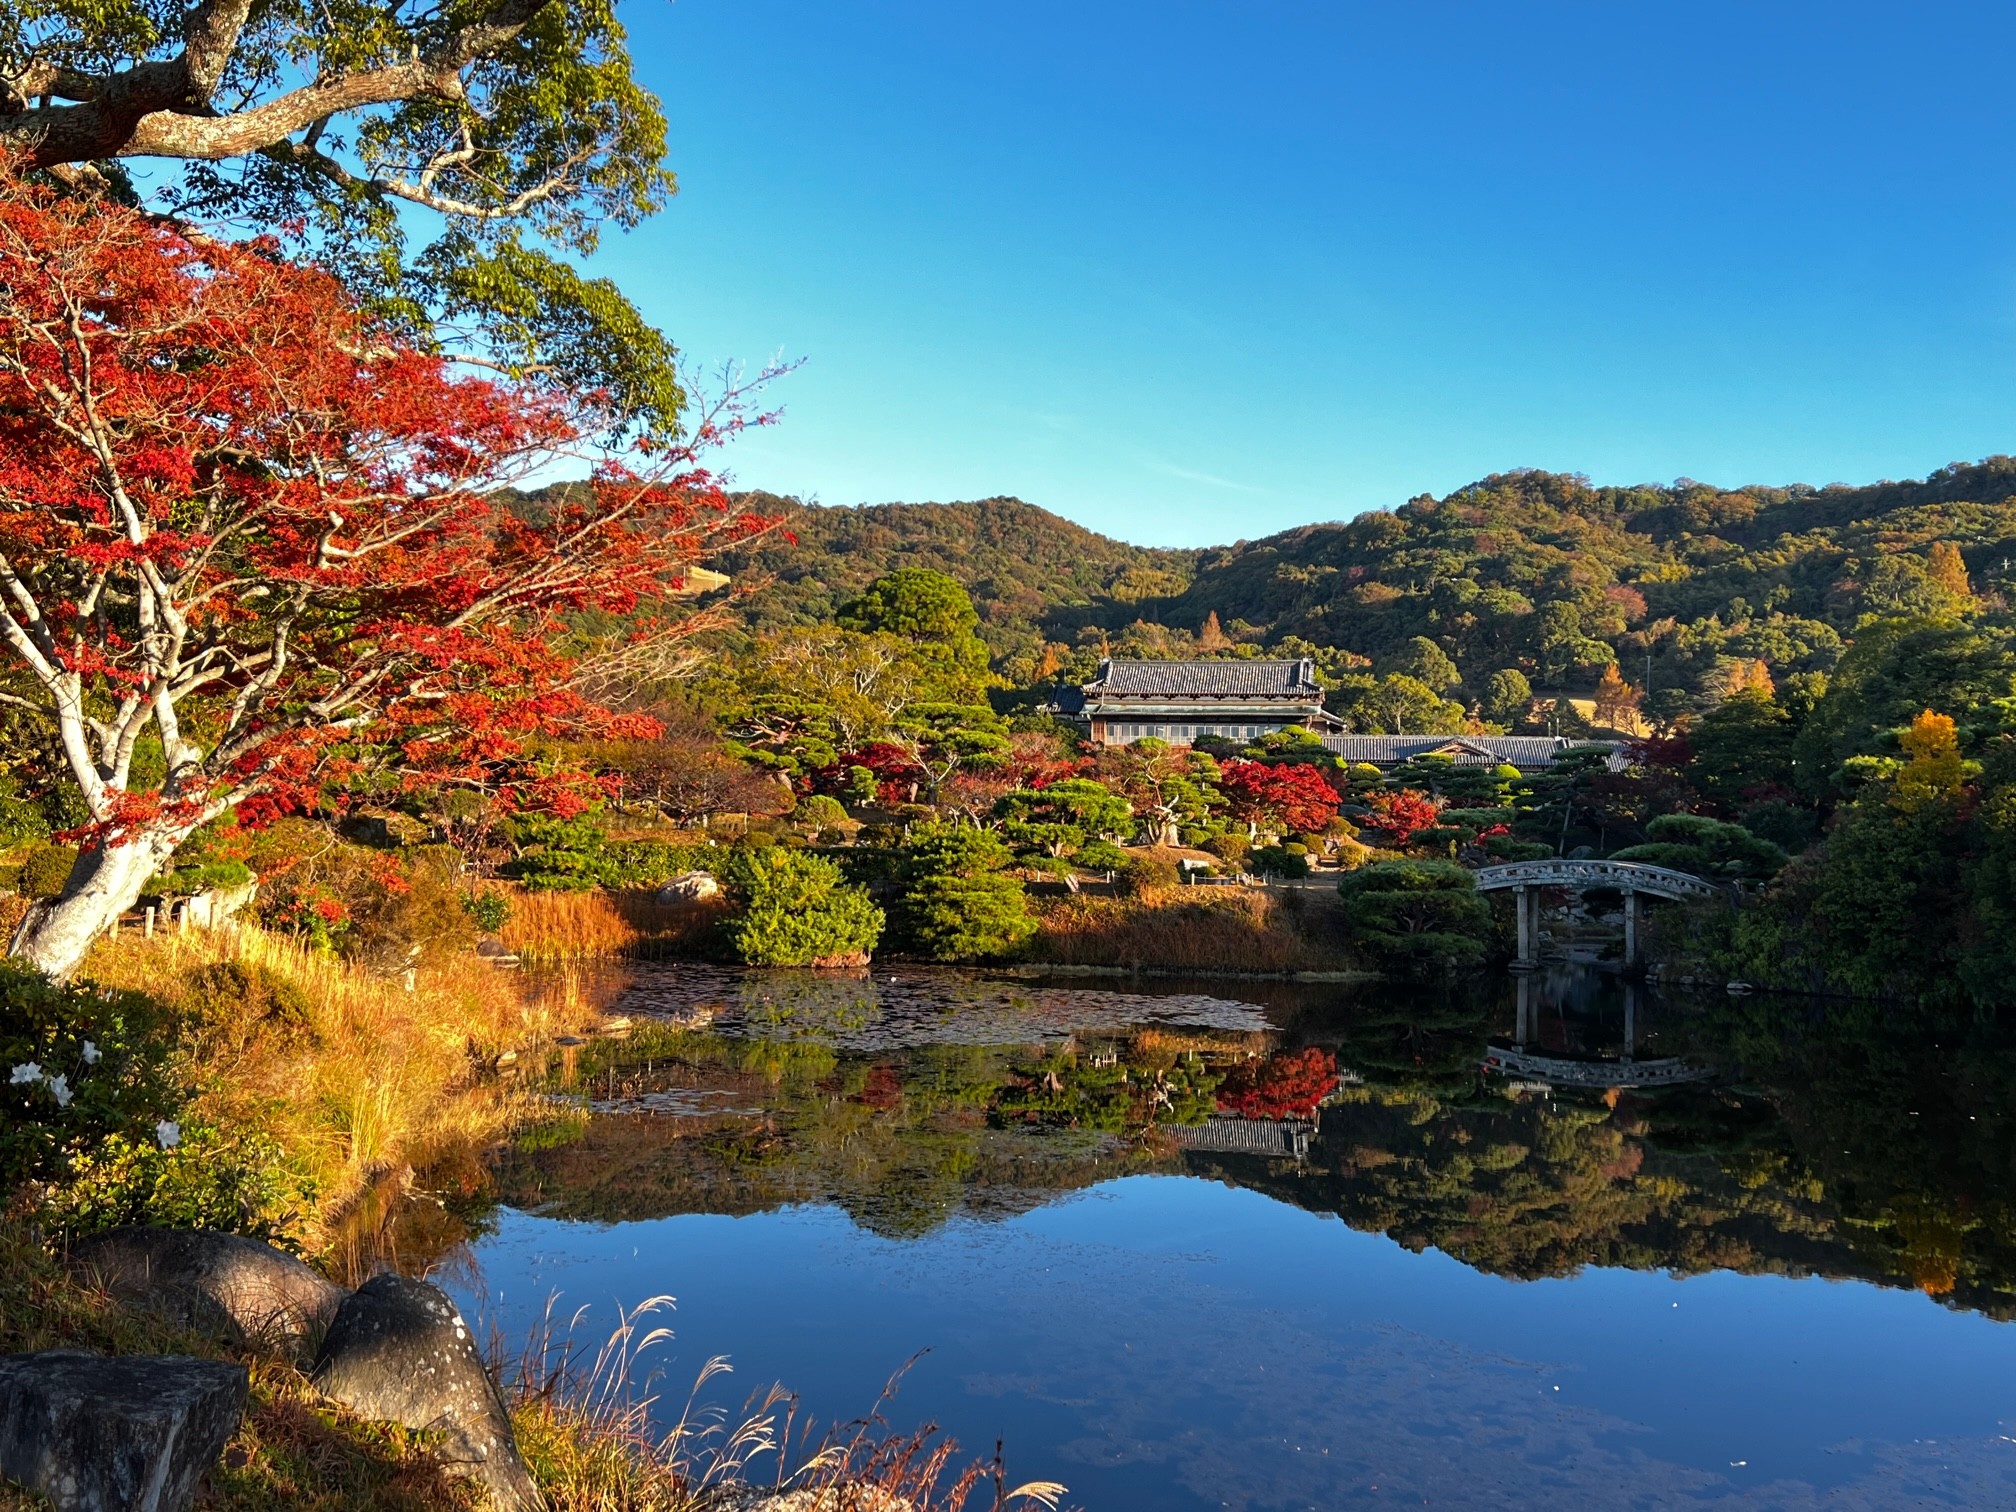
point(1552, 1242)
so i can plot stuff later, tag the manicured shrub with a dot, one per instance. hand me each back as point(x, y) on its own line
point(1146, 871)
point(1416, 915)
point(956, 903)
point(950, 918)
point(819, 812)
point(1278, 861)
point(1706, 847)
point(796, 910)
point(1229, 848)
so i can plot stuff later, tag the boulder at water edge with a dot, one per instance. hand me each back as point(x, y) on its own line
point(399, 1350)
point(124, 1433)
point(248, 1292)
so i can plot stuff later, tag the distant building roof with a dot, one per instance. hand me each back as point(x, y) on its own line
point(1523, 751)
point(1206, 679)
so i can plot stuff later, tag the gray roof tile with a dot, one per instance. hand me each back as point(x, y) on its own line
point(1205, 679)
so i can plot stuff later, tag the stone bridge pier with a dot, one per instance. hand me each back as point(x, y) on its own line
point(1527, 880)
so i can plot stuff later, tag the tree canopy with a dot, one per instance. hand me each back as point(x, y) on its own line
point(442, 160)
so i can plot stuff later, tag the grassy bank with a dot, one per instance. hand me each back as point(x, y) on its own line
point(339, 1079)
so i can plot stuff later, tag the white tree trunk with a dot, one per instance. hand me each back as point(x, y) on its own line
point(103, 885)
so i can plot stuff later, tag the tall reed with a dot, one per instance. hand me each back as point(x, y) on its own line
point(353, 1075)
point(1190, 929)
point(587, 1419)
point(581, 925)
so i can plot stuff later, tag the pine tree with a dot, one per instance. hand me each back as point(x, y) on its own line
point(1213, 637)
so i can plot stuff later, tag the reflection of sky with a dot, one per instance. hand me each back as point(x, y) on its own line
point(1165, 1343)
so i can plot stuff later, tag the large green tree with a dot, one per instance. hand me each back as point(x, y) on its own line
point(932, 612)
point(444, 159)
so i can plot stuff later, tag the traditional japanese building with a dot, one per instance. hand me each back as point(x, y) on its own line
point(1178, 701)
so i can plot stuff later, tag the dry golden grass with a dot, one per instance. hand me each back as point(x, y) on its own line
point(1192, 929)
point(353, 1075)
point(550, 926)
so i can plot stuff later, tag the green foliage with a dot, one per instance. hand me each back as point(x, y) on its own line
point(965, 918)
point(577, 855)
point(1706, 847)
point(557, 91)
point(1416, 915)
point(241, 1182)
point(817, 811)
point(1895, 670)
point(1278, 861)
point(1507, 696)
point(1147, 872)
point(1395, 704)
point(46, 870)
point(1742, 748)
point(794, 909)
point(1060, 820)
point(77, 1067)
point(931, 611)
point(490, 909)
point(955, 903)
point(1425, 662)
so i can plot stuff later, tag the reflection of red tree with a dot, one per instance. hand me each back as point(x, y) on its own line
point(1282, 1086)
point(884, 1089)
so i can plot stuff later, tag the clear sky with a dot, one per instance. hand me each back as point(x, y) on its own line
point(1191, 272)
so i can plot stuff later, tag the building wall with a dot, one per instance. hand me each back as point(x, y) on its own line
point(1125, 729)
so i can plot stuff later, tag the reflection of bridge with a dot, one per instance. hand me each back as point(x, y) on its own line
point(1518, 1060)
point(1631, 878)
point(1221, 1134)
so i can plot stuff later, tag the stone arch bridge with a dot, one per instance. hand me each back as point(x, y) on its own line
point(1633, 879)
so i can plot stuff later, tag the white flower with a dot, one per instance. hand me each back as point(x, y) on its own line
point(31, 1072)
point(168, 1133)
point(90, 1053)
point(59, 1088)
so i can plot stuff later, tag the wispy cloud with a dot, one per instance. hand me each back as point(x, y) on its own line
point(1191, 475)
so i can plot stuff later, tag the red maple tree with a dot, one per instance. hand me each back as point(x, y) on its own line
point(245, 530)
point(1401, 816)
point(1291, 797)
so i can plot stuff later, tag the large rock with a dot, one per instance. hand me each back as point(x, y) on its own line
point(120, 1433)
point(690, 887)
point(248, 1292)
point(399, 1350)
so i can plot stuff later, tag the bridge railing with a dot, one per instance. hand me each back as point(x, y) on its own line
point(1625, 876)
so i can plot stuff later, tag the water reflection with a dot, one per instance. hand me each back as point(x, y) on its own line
point(1529, 1128)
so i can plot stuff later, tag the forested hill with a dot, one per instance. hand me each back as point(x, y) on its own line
point(1034, 576)
point(1537, 571)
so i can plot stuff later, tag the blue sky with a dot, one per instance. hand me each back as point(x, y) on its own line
point(1191, 272)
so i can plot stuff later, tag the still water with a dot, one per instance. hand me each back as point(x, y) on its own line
point(1555, 1243)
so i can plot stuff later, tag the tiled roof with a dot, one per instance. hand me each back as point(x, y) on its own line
point(1205, 679)
point(1522, 751)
